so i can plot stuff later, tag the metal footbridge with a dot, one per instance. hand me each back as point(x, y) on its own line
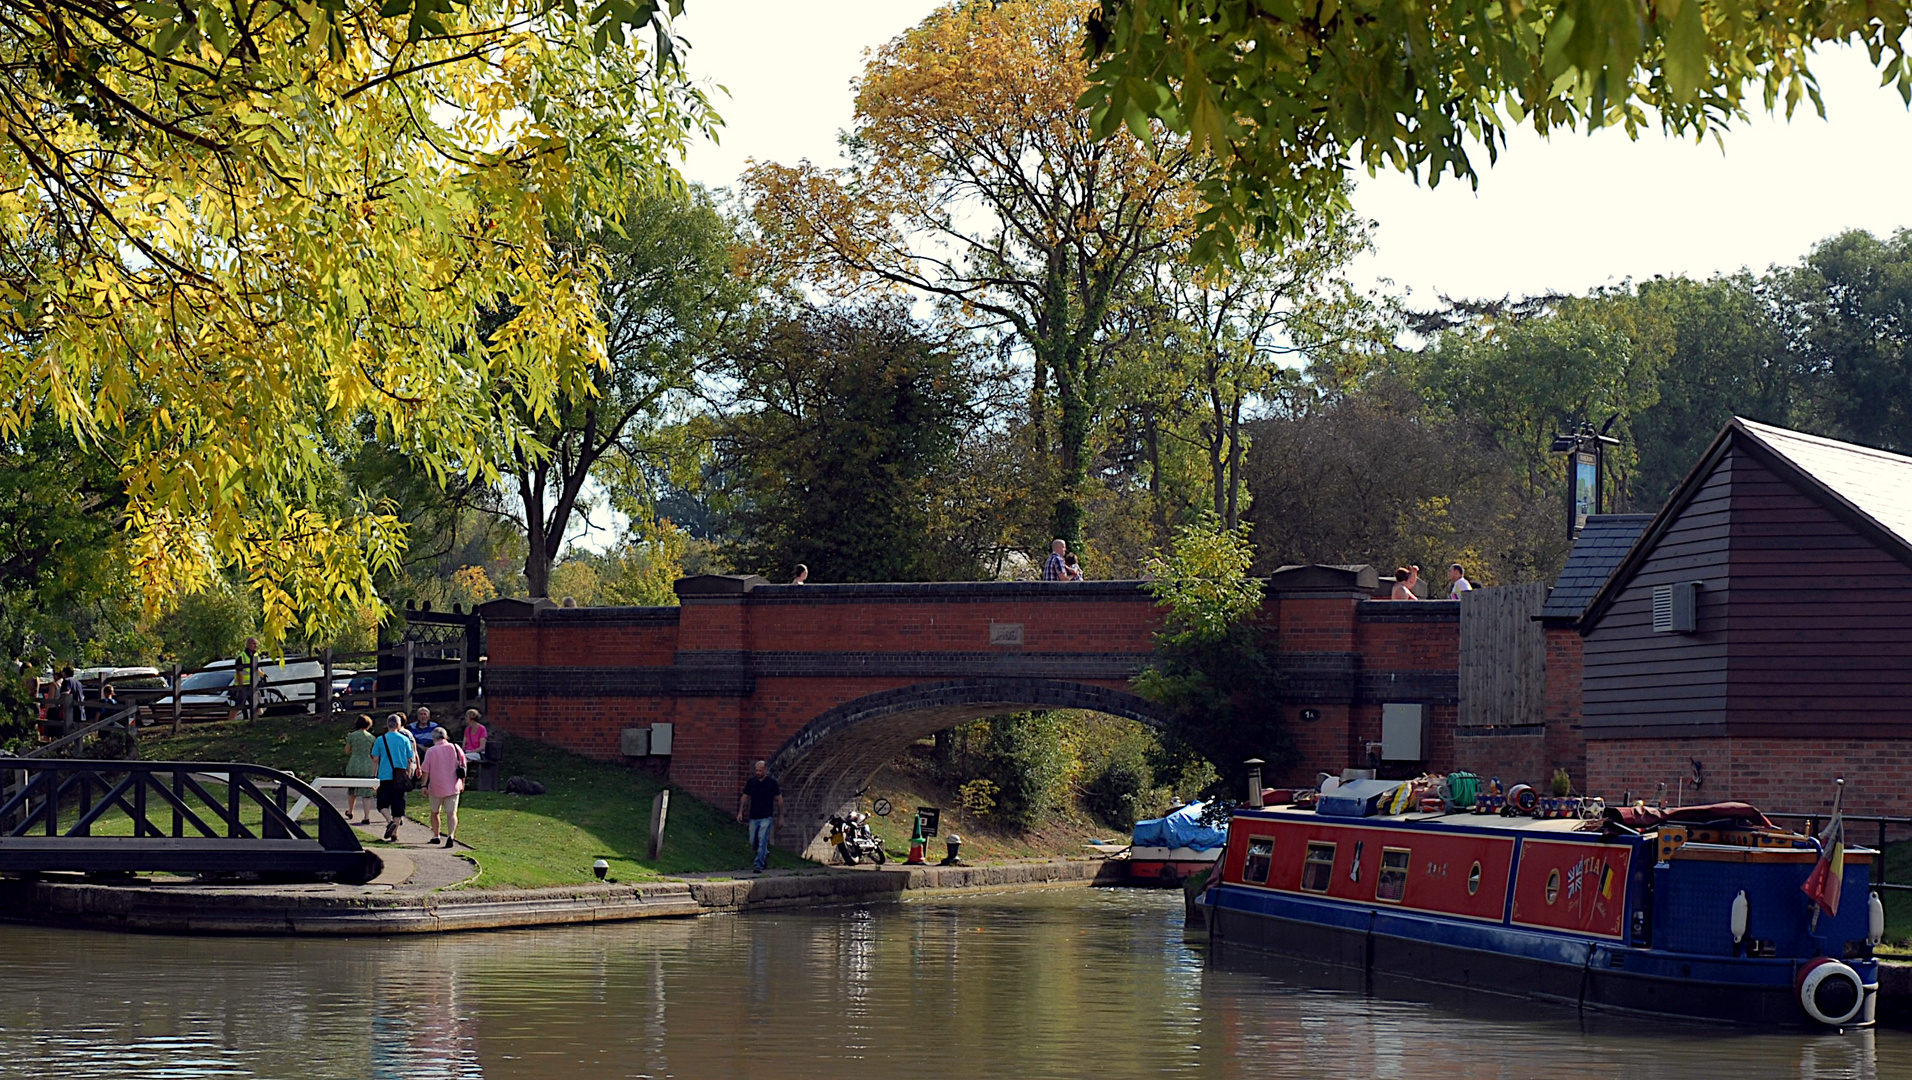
point(187, 817)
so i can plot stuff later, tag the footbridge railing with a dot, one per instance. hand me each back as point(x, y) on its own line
point(170, 816)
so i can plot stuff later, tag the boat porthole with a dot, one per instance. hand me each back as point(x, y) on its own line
point(1553, 886)
point(1473, 880)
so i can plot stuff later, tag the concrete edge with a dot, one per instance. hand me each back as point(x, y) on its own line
point(379, 910)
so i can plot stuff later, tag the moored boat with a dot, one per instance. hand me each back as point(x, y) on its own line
point(1176, 846)
point(1701, 912)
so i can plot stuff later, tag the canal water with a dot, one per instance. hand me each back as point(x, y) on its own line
point(1060, 983)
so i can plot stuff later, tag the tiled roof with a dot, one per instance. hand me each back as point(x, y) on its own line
point(1875, 483)
point(1603, 542)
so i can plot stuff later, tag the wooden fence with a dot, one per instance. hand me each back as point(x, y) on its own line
point(1503, 662)
point(402, 678)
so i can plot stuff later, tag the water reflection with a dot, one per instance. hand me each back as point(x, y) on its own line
point(1067, 983)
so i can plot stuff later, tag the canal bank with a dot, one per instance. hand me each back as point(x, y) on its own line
point(385, 906)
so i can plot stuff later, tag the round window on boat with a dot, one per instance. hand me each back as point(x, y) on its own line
point(1553, 886)
point(1473, 880)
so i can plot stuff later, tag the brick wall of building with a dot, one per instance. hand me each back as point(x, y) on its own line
point(1775, 774)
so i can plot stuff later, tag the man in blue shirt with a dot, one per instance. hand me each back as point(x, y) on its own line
point(396, 755)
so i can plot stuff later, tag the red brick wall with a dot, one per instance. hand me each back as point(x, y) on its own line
point(1776, 774)
point(718, 734)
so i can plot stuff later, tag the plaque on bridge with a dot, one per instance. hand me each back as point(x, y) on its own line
point(1005, 633)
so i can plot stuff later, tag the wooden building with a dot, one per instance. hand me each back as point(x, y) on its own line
point(1756, 640)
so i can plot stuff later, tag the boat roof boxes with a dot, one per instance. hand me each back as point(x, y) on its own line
point(1356, 798)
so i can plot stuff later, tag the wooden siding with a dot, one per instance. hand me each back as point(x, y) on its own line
point(1636, 682)
point(1503, 657)
point(1820, 629)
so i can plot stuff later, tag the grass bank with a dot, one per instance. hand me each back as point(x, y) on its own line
point(591, 809)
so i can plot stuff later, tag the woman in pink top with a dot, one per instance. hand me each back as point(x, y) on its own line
point(444, 778)
point(474, 734)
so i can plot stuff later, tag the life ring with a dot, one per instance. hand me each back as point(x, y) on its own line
point(1830, 991)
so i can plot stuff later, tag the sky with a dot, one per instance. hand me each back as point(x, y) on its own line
point(1568, 214)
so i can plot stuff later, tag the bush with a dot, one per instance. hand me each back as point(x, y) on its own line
point(1119, 792)
point(1031, 765)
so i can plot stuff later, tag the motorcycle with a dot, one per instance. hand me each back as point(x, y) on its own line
point(854, 842)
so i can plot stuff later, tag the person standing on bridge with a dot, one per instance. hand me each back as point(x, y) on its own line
point(761, 804)
point(1056, 567)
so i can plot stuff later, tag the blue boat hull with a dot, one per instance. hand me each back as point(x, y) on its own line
point(1386, 944)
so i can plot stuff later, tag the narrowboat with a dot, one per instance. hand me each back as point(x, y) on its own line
point(1167, 849)
point(1698, 913)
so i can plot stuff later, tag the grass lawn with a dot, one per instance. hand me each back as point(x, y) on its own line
point(591, 810)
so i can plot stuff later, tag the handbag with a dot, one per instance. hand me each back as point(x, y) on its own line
point(407, 780)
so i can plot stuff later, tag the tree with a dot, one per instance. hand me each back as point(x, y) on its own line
point(1373, 473)
point(1236, 324)
point(1728, 358)
point(843, 425)
point(1286, 98)
point(975, 179)
point(667, 295)
point(1211, 667)
point(230, 230)
point(1847, 313)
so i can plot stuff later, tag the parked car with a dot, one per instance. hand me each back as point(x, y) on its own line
point(214, 691)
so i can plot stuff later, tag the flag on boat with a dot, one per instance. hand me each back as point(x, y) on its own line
point(1822, 885)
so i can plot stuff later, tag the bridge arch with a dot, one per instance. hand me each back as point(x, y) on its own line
point(835, 755)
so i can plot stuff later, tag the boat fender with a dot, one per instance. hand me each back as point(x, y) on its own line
point(1740, 907)
point(1830, 991)
point(1875, 920)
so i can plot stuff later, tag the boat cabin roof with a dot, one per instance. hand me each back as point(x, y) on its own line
point(1460, 818)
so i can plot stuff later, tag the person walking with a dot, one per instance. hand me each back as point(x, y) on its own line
point(358, 762)
point(1056, 567)
point(761, 804)
point(444, 771)
point(243, 699)
point(1457, 582)
point(397, 757)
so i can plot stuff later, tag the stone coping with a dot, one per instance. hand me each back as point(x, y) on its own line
point(192, 907)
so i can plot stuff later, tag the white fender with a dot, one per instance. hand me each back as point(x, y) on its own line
point(1740, 909)
point(1875, 920)
point(1831, 992)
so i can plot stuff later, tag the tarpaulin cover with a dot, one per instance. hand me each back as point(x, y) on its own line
point(1181, 829)
point(1356, 798)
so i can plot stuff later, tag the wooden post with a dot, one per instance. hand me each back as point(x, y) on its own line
point(411, 652)
point(325, 688)
point(461, 683)
point(176, 709)
point(660, 811)
point(252, 688)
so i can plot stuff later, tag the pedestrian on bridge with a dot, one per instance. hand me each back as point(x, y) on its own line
point(761, 804)
point(1056, 567)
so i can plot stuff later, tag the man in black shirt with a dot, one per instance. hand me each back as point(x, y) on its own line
point(761, 804)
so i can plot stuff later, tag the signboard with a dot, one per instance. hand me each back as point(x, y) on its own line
point(1586, 491)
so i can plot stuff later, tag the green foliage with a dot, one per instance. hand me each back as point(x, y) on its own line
point(844, 433)
point(1204, 582)
point(1288, 99)
point(1121, 787)
point(978, 797)
point(1032, 764)
point(1212, 669)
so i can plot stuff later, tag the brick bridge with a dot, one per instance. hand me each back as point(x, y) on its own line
point(831, 682)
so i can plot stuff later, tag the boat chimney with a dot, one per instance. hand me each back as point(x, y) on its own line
point(1254, 781)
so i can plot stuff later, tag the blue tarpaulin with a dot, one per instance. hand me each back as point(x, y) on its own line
point(1181, 829)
